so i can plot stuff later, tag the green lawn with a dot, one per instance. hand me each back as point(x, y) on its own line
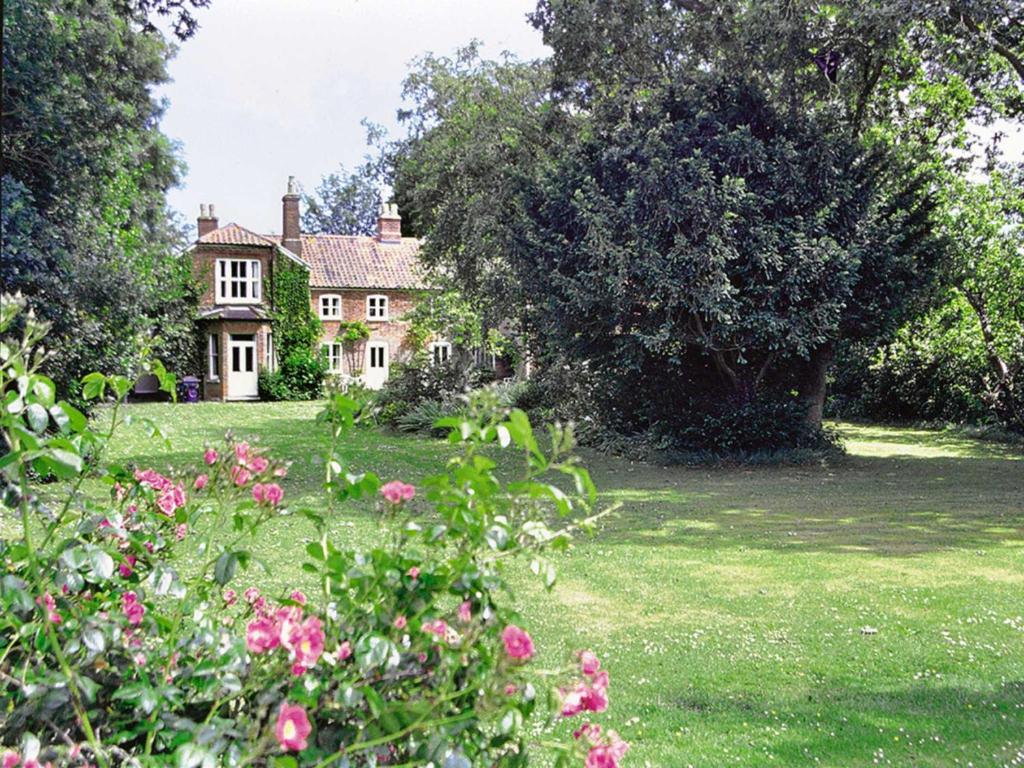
point(730, 604)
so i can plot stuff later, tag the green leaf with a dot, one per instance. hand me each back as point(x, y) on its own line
point(225, 567)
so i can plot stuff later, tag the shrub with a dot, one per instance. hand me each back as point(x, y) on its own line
point(421, 380)
point(135, 642)
point(303, 374)
point(424, 416)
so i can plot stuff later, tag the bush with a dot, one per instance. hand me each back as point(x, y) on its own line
point(424, 416)
point(133, 645)
point(421, 380)
point(300, 377)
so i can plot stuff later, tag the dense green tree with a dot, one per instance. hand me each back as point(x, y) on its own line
point(475, 131)
point(86, 233)
point(344, 203)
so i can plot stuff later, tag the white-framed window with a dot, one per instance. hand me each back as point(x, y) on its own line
point(330, 306)
point(440, 352)
point(271, 354)
point(377, 307)
point(378, 352)
point(238, 281)
point(213, 356)
point(332, 353)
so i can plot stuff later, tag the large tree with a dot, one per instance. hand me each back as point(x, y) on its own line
point(344, 203)
point(86, 232)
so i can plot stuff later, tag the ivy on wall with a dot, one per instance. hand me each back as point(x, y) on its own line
point(296, 328)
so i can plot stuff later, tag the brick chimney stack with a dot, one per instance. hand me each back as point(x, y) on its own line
point(207, 221)
point(291, 234)
point(389, 224)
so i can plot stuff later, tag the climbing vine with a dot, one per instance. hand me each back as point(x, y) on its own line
point(296, 328)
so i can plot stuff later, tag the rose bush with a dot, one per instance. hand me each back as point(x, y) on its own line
point(126, 641)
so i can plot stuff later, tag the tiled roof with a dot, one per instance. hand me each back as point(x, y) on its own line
point(232, 234)
point(346, 261)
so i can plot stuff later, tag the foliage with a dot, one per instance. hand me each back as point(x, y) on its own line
point(961, 360)
point(85, 234)
point(344, 203)
point(132, 643)
point(422, 417)
point(301, 372)
point(296, 327)
point(421, 380)
point(352, 334)
point(472, 124)
point(703, 195)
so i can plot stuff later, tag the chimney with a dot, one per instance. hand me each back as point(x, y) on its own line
point(291, 234)
point(207, 221)
point(389, 224)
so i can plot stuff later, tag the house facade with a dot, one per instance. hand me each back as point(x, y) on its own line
point(372, 279)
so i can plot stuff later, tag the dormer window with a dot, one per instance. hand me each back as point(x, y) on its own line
point(238, 281)
point(377, 307)
point(330, 306)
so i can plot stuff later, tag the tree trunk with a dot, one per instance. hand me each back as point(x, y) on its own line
point(812, 389)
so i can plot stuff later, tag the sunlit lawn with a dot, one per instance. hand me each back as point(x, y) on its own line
point(866, 613)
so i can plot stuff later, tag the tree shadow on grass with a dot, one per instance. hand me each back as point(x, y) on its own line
point(837, 725)
point(879, 505)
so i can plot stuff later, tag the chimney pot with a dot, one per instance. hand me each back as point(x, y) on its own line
point(389, 224)
point(207, 221)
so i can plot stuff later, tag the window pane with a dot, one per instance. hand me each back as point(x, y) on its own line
point(235, 362)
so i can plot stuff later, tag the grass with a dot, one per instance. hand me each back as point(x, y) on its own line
point(731, 605)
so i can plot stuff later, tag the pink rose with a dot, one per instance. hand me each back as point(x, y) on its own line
point(240, 475)
point(589, 731)
point(510, 689)
point(466, 612)
point(257, 493)
point(251, 595)
point(281, 472)
point(298, 596)
point(396, 492)
point(241, 451)
point(607, 755)
point(344, 650)
point(262, 635)
point(200, 482)
point(10, 759)
point(230, 596)
point(258, 464)
point(437, 627)
point(132, 608)
point(589, 663)
point(518, 644)
point(306, 641)
point(273, 494)
point(210, 457)
point(292, 727)
point(413, 573)
point(50, 605)
point(400, 622)
point(181, 532)
point(126, 568)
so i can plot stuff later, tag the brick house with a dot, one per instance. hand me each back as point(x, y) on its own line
point(372, 279)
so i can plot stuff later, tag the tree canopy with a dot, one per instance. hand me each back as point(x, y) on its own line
point(86, 234)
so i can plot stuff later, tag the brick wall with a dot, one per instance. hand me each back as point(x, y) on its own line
point(204, 265)
point(353, 307)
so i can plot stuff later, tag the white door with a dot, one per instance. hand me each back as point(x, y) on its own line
point(242, 372)
point(376, 364)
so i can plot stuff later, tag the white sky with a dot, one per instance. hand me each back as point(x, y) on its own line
point(274, 88)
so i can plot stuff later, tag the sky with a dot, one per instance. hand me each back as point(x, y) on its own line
point(268, 89)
